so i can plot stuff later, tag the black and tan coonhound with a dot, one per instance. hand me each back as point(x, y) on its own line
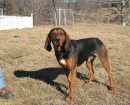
point(72, 53)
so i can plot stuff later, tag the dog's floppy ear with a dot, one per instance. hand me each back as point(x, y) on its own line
point(47, 45)
point(68, 43)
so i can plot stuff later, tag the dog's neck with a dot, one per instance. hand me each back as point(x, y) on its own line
point(61, 54)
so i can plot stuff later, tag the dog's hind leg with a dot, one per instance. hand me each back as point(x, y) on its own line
point(89, 64)
point(104, 59)
point(106, 65)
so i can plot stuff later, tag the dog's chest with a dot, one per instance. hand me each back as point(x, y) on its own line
point(62, 61)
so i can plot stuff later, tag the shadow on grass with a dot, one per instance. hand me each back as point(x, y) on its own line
point(48, 75)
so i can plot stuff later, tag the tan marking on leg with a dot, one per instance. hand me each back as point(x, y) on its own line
point(91, 74)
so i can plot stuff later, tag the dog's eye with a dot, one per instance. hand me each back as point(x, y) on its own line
point(61, 33)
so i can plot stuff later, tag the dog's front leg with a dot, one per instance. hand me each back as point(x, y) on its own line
point(72, 79)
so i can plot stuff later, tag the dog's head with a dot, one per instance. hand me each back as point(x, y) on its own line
point(59, 39)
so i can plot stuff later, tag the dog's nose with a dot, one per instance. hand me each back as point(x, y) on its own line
point(57, 41)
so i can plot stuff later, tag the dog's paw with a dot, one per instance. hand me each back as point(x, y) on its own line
point(88, 84)
point(69, 98)
point(111, 88)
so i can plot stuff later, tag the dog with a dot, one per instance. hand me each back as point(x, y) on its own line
point(72, 53)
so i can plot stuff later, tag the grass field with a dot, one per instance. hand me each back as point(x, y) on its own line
point(37, 79)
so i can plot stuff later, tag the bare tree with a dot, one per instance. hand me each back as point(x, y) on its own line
point(123, 13)
point(41, 10)
point(6, 6)
point(86, 10)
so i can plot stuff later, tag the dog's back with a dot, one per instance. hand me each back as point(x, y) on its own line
point(86, 48)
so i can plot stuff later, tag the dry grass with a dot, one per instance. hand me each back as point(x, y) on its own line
point(36, 79)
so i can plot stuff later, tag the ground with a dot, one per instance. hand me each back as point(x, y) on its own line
point(37, 79)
